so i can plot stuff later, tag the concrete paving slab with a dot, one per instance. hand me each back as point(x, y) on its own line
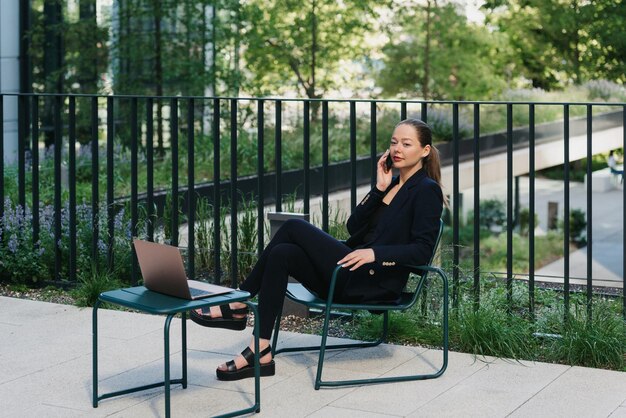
point(295, 397)
point(131, 354)
point(597, 393)
point(376, 360)
point(619, 412)
point(331, 411)
point(495, 390)
point(401, 399)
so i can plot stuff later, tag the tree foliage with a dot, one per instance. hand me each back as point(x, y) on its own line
point(563, 41)
point(434, 52)
point(302, 44)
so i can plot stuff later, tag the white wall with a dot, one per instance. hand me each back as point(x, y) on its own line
point(9, 72)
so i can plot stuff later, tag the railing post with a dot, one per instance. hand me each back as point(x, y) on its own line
point(95, 168)
point(306, 158)
point(72, 187)
point(260, 173)
point(566, 208)
point(217, 243)
point(509, 206)
point(589, 213)
point(456, 205)
point(174, 150)
point(373, 142)
point(58, 146)
point(110, 178)
point(476, 205)
point(150, 212)
point(35, 166)
point(134, 149)
point(352, 154)
point(278, 155)
point(191, 192)
point(325, 165)
point(531, 210)
point(1, 156)
point(233, 194)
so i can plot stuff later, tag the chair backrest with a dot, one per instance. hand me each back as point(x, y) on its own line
point(432, 257)
point(410, 301)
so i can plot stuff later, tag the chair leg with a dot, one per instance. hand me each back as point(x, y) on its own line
point(442, 369)
point(275, 336)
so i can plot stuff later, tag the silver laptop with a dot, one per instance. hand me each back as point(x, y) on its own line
point(163, 271)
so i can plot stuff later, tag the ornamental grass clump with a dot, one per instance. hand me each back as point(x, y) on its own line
point(599, 342)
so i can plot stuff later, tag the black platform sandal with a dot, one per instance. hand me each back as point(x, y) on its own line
point(226, 321)
point(232, 373)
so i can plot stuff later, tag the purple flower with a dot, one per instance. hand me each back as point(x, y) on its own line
point(13, 243)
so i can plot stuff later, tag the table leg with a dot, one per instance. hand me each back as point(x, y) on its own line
point(183, 320)
point(94, 353)
point(166, 338)
point(257, 363)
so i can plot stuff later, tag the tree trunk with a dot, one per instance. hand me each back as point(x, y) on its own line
point(52, 63)
point(88, 68)
point(426, 80)
point(158, 70)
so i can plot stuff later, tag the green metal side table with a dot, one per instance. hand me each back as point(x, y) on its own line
point(144, 300)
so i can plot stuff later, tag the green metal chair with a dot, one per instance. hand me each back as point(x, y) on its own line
point(299, 294)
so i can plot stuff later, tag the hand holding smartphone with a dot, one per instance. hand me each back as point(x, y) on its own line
point(389, 162)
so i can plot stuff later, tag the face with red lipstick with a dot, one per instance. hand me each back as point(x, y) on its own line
point(406, 150)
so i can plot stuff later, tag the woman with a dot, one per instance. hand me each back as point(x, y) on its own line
point(395, 224)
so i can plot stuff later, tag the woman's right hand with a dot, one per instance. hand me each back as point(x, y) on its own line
point(383, 176)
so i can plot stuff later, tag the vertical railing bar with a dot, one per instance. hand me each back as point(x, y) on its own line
point(191, 192)
point(58, 145)
point(566, 209)
point(35, 166)
point(325, 165)
point(95, 198)
point(233, 194)
point(509, 206)
point(373, 142)
point(110, 179)
point(150, 210)
point(623, 220)
point(531, 210)
point(402, 110)
point(476, 205)
point(21, 152)
point(353, 153)
point(216, 191)
point(174, 149)
point(424, 112)
point(260, 173)
point(1, 156)
point(278, 155)
point(134, 149)
point(456, 204)
point(306, 144)
point(72, 186)
point(589, 213)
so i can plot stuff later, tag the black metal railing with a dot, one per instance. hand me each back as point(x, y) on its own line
point(211, 127)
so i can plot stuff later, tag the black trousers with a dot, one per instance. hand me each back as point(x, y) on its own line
point(302, 251)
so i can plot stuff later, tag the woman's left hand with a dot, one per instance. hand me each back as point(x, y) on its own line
point(357, 258)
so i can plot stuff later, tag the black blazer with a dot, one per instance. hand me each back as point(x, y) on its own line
point(406, 234)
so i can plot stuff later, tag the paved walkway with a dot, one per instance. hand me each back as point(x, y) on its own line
point(45, 371)
point(608, 228)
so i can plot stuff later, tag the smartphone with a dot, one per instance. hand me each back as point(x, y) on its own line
point(389, 162)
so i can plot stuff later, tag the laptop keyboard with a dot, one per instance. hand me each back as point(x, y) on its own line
point(198, 292)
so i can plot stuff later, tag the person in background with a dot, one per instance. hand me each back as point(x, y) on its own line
point(612, 163)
